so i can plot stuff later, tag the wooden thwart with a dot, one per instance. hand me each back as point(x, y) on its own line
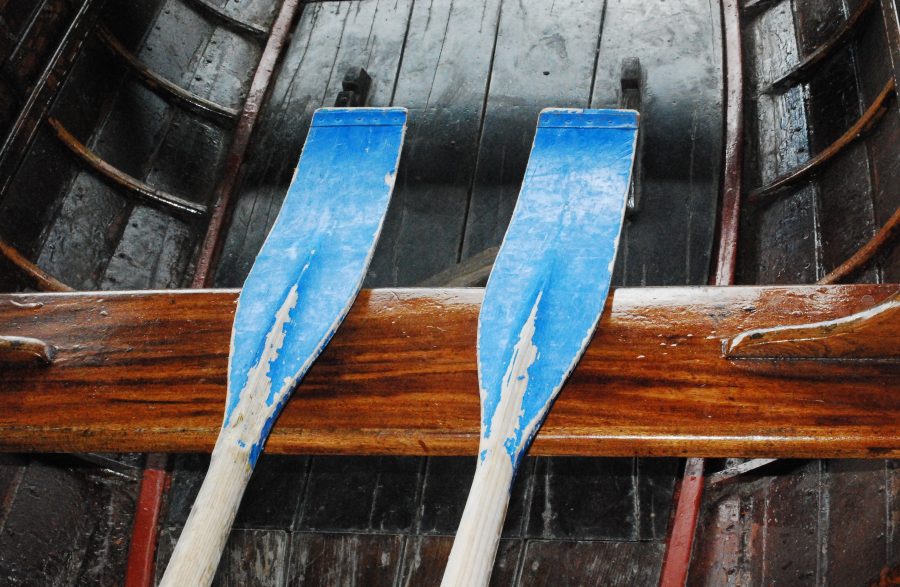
point(146, 372)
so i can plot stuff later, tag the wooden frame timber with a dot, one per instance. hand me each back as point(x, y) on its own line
point(30, 272)
point(864, 124)
point(145, 371)
point(225, 19)
point(813, 61)
point(135, 187)
point(166, 89)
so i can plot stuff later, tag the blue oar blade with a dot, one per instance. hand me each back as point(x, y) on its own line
point(312, 264)
point(552, 274)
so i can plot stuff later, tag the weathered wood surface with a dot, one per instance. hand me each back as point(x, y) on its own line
point(831, 522)
point(146, 371)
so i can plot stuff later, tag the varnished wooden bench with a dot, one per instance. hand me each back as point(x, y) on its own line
point(145, 371)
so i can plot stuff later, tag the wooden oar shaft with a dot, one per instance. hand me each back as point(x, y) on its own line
point(472, 557)
point(200, 546)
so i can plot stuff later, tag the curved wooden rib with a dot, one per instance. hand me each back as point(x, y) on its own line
point(802, 70)
point(149, 194)
point(886, 235)
point(226, 20)
point(39, 278)
point(862, 125)
point(167, 89)
point(871, 334)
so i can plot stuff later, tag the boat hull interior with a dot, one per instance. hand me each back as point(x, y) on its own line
point(130, 127)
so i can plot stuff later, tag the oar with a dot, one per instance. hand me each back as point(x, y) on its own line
point(541, 305)
point(300, 288)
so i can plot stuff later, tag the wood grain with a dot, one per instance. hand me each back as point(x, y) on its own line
point(146, 372)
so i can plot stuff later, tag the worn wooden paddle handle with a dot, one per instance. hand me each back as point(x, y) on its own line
point(475, 546)
point(202, 541)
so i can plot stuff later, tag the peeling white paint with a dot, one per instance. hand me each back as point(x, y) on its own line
point(509, 411)
point(253, 410)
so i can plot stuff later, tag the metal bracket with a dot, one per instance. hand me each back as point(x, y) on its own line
point(356, 85)
point(631, 98)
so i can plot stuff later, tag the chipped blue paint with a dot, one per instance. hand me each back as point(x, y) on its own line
point(554, 266)
point(312, 264)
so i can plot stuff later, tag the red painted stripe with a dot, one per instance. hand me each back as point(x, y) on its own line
point(680, 541)
point(142, 552)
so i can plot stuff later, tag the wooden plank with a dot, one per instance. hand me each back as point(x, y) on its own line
point(425, 556)
point(251, 557)
point(669, 241)
point(799, 523)
point(296, 92)
point(892, 474)
point(344, 559)
point(791, 511)
point(63, 524)
point(560, 485)
point(138, 132)
point(40, 185)
point(49, 523)
point(274, 475)
point(716, 552)
point(146, 372)
point(377, 495)
point(778, 240)
point(879, 60)
point(152, 253)
point(544, 57)
point(610, 564)
point(656, 485)
point(446, 485)
point(854, 526)
point(442, 82)
point(844, 212)
point(190, 155)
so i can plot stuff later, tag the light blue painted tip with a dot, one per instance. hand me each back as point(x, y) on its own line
point(359, 117)
point(587, 118)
